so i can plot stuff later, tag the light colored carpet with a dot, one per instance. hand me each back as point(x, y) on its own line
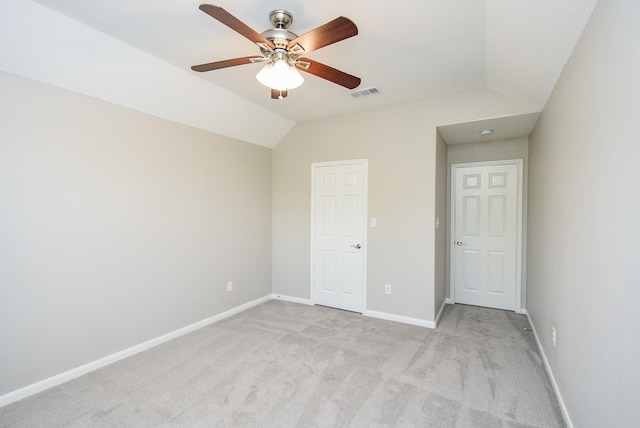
point(288, 365)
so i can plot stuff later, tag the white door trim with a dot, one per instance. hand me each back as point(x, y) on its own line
point(519, 163)
point(365, 164)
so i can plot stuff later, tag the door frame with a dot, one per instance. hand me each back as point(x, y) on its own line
point(519, 308)
point(365, 211)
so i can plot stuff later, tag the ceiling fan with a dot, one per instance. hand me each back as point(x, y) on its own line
point(282, 50)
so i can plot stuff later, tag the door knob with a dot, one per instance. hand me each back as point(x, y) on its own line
point(460, 243)
point(357, 246)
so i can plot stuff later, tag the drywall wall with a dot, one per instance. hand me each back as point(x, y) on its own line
point(118, 227)
point(400, 144)
point(583, 273)
point(517, 148)
point(440, 261)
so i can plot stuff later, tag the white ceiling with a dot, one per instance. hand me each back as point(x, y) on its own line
point(409, 49)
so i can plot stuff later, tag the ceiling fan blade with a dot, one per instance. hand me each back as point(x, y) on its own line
point(333, 31)
point(227, 63)
point(328, 73)
point(234, 23)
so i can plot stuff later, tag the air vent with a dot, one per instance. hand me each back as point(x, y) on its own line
point(365, 92)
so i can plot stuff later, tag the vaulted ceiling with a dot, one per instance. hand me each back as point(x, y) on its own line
point(408, 49)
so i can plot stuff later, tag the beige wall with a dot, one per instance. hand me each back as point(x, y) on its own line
point(440, 249)
point(517, 148)
point(584, 247)
point(489, 151)
point(400, 144)
point(117, 227)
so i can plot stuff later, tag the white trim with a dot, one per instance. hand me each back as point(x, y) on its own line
point(372, 314)
point(399, 318)
point(292, 299)
point(444, 304)
point(556, 389)
point(519, 243)
point(42, 385)
point(449, 301)
point(365, 213)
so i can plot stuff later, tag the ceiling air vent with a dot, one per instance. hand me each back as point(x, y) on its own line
point(365, 92)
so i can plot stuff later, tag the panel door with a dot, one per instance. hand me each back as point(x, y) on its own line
point(338, 235)
point(484, 250)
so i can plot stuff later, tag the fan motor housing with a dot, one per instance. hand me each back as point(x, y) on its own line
point(279, 36)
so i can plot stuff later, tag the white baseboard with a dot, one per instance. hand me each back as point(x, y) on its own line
point(399, 318)
point(367, 313)
point(444, 304)
point(563, 408)
point(61, 378)
point(42, 385)
point(292, 299)
point(449, 301)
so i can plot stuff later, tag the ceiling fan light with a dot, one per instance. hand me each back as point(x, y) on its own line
point(280, 75)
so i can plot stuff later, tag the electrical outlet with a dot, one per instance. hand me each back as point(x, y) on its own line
point(229, 287)
point(553, 336)
point(387, 289)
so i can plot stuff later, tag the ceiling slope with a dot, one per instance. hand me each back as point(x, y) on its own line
point(529, 42)
point(141, 51)
point(46, 46)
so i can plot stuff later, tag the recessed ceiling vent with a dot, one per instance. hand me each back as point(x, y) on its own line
point(365, 92)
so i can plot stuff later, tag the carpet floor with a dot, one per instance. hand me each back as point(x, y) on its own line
point(283, 364)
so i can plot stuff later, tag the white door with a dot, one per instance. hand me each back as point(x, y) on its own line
point(485, 254)
point(338, 234)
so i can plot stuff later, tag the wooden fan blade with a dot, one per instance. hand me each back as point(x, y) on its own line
point(226, 63)
point(329, 73)
point(234, 23)
point(333, 31)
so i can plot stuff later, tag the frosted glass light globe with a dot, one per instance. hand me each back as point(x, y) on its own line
point(280, 75)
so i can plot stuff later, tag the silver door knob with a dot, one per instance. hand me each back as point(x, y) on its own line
point(357, 246)
point(459, 243)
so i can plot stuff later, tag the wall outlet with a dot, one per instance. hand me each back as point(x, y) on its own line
point(229, 286)
point(387, 289)
point(553, 336)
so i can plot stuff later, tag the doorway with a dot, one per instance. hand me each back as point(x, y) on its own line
point(338, 234)
point(486, 230)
